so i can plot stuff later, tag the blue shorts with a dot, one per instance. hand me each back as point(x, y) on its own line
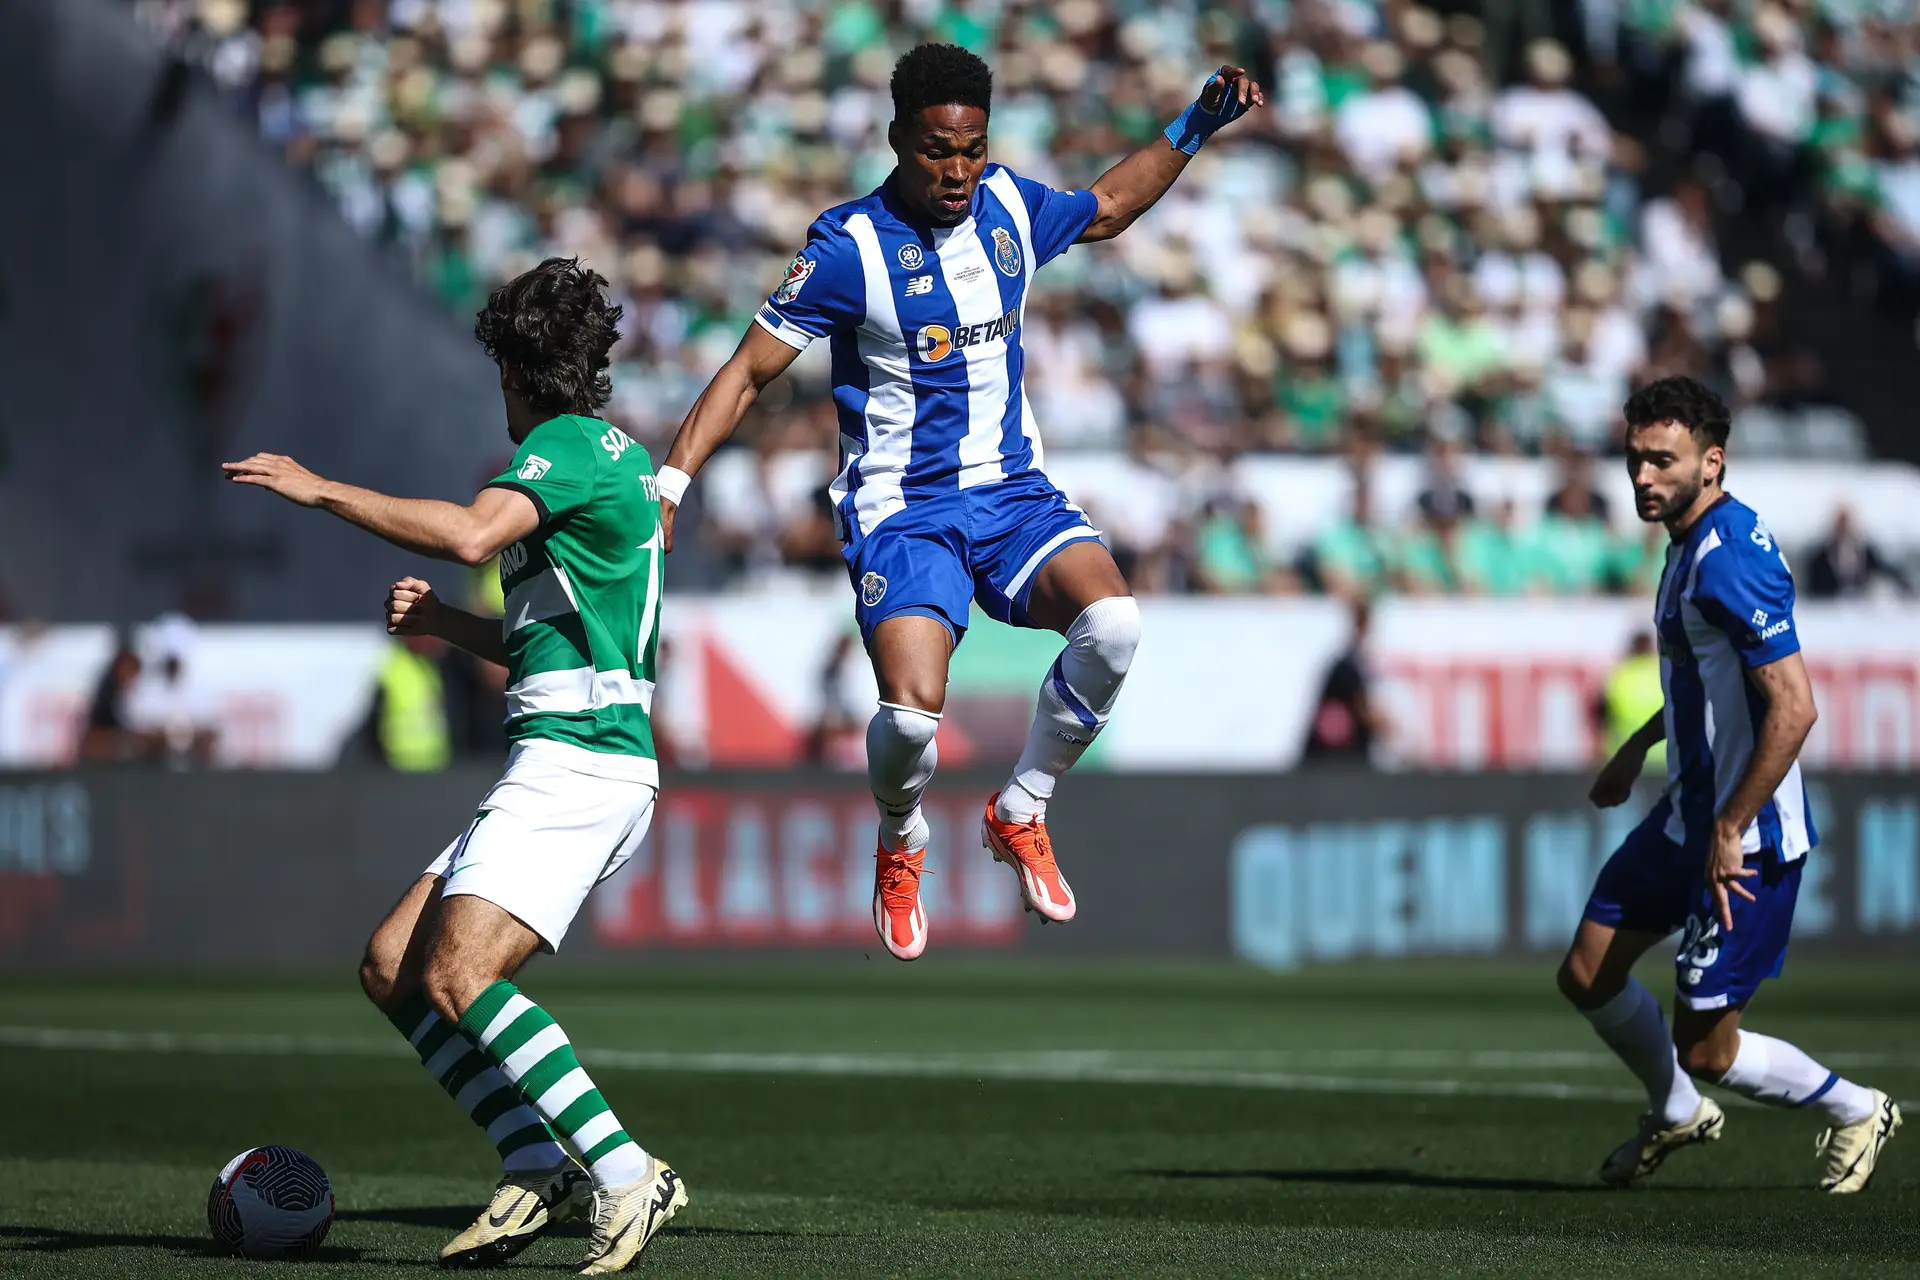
point(939, 554)
point(1653, 884)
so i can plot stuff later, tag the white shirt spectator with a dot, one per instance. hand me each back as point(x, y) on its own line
point(1375, 129)
point(1534, 119)
point(1584, 399)
point(1680, 256)
point(1713, 68)
point(1169, 332)
point(1776, 97)
point(1619, 344)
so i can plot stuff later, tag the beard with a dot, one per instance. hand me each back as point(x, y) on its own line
point(1679, 502)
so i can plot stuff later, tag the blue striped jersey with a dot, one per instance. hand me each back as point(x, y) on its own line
point(1725, 607)
point(925, 327)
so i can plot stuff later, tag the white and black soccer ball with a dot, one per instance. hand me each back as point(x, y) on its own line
point(271, 1202)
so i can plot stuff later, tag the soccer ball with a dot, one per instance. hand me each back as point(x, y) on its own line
point(270, 1202)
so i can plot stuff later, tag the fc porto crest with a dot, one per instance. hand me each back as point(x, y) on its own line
point(797, 272)
point(1006, 253)
point(873, 589)
point(911, 257)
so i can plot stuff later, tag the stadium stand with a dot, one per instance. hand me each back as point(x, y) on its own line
point(1455, 237)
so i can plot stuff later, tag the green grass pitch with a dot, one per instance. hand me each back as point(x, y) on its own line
point(956, 1118)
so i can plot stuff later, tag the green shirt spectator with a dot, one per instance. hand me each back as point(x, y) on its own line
point(1494, 558)
point(1573, 554)
point(1229, 561)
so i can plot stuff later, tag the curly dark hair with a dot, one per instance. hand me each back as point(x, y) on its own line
point(938, 75)
point(550, 330)
point(1686, 401)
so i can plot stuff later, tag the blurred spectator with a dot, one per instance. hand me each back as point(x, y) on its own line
point(1352, 557)
point(1846, 565)
point(1230, 555)
point(1571, 540)
point(1346, 722)
point(109, 736)
point(1630, 698)
point(167, 701)
point(408, 721)
point(1387, 123)
point(838, 737)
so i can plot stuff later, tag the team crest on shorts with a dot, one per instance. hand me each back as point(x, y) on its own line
point(873, 589)
point(1006, 254)
point(797, 272)
point(911, 257)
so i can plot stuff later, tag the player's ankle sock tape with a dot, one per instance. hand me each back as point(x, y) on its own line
point(477, 1088)
point(1783, 1075)
point(902, 754)
point(535, 1056)
point(1078, 693)
point(1633, 1026)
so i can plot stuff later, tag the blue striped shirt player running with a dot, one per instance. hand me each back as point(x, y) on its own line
point(1720, 857)
point(941, 501)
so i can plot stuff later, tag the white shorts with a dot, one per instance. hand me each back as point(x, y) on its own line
point(546, 834)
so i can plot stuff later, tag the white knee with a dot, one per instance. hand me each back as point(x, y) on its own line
point(1106, 633)
point(898, 736)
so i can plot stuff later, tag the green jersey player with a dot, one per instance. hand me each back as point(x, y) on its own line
point(575, 524)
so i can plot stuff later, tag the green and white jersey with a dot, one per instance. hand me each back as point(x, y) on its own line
point(582, 594)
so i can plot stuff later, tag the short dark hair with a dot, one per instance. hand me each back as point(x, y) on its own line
point(550, 329)
point(1686, 401)
point(938, 75)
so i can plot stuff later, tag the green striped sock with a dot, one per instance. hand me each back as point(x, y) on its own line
point(476, 1085)
point(534, 1054)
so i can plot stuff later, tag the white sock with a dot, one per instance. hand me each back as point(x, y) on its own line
point(1781, 1075)
point(901, 756)
point(1075, 700)
point(1634, 1028)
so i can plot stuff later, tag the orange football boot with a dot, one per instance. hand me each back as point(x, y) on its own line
point(1024, 846)
point(897, 913)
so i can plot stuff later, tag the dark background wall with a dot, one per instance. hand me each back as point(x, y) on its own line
point(289, 871)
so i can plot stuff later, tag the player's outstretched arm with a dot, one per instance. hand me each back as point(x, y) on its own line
point(414, 610)
point(470, 535)
point(716, 415)
point(1132, 187)
point(1614, 786)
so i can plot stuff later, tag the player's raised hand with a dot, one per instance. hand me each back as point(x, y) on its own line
point(1614, 786)
point(279, 473)
point(411, 606)
point(1245, 90)
point(1726, 868)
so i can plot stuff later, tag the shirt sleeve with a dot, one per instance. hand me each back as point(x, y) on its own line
point(556, 467)
point(824, 290)
point(1746, 590)
point(1057, 218)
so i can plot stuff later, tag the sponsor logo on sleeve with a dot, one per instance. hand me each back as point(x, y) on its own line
point(1762, 537)
point(797, 272)
point(534, 467)
point(1759, 619)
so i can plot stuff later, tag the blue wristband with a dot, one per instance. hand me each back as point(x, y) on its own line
point(1196, 124)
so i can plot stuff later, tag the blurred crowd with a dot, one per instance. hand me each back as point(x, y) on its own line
point(1464, 227)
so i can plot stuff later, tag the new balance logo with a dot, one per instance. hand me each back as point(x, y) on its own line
point(919, 284)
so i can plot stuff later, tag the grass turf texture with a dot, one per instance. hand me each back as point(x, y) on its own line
point(1063, 1122)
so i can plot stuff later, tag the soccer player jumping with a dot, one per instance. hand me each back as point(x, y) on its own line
point(575, 522)
point(1720, 856)
point(920, 287)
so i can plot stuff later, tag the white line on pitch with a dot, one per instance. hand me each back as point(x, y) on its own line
point(1048, 1066)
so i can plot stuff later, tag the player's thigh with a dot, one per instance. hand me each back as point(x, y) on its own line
point(1083, 573)
point(914, 565)
point(910, 655)
point(544, 836)
point(1036, 561)
point(471, 944)
point(389, 971)
point(1600, 960)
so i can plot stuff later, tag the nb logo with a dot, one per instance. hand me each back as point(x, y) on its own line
point(917, 285)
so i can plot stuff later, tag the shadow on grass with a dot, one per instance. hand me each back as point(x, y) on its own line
point(458, 1217)
point(30, 1239)
point(1374, 1178)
